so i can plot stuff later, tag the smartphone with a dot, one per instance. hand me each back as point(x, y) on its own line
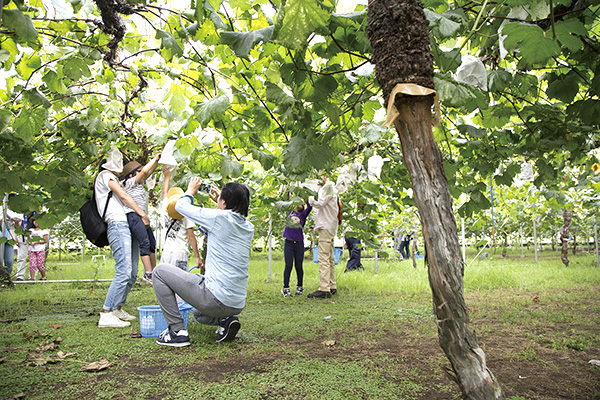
point(205, 187)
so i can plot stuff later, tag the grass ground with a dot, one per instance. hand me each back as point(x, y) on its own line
point(377, 338)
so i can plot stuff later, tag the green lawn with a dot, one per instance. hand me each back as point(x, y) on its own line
point(375, 339)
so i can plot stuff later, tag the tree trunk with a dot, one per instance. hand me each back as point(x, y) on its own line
point(564, 236)
point(398, 33)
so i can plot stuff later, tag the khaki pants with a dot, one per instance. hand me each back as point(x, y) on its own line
point(326, 264)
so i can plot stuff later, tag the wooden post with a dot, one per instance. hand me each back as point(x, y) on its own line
point(535, 239)
point(464, 244)
point(596, 240)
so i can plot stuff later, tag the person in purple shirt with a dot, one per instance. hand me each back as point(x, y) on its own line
point(293, 249)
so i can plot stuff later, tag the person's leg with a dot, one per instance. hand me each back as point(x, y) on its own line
point(9, 258)
point(324, 258)
point(22, 258)
point(140, 233)
point(298, 262)
point(41, 260)
point(332, 284)
point(119, 238)
point(170, 281)
point(152, 241)
point(32, 264)
point(288, 256)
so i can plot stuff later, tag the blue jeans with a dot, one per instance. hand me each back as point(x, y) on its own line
point(9, 257)
point(126, 254)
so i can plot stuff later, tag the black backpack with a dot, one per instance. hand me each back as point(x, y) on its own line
point(92, 223)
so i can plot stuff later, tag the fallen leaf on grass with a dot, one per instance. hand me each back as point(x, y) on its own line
point(472, 309)
point(35, 334)
point(18, 396)
point(56, 326)
point(536, 299)
point(96, 366)
point(62, 355)
point(329, 343)
point(36, 357)
point(3, 359)
point(135, 334)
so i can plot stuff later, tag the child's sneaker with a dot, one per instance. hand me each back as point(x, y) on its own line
point(170, 338)
point(228, 328)
point(299, 291)
point(286, 292)
point(147, 277)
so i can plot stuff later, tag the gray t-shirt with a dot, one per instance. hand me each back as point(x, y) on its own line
point(138, 193)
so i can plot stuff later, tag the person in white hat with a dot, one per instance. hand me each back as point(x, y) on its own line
point(110, 194)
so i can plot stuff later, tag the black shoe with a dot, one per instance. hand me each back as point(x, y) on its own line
point(333, 291)
point(170, 338)
point(228, 328)
point(319, 295)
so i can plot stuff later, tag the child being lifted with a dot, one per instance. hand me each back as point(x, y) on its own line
point(134, 176)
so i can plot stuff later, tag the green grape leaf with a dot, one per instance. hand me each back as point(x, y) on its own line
point(567, 34)
point(211, 109)
point(300, 154)
point(5, 118)
point(22, 25)
point(29, 123)
point(243, 42)
point(54, 83)
point(536, 49)
point(563, 87)
point(74, 68)
point(169, 45)
point(296, 20)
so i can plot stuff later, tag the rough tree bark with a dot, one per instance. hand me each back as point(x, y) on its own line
point(564, 236)
point(398, 33)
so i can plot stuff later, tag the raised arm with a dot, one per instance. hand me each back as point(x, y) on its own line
point(167, 173)
point(147, 170)
point(194, 245)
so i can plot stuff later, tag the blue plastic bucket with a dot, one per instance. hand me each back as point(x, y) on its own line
point(152, 321)
point(337, 253)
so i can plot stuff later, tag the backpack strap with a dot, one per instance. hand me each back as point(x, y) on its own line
point(106, 206)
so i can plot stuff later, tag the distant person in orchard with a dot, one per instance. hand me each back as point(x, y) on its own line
point(354, 252)
point(134, 176)
point(219, 295)
point(179, 237)
point(125, 251)
point(293, 248)
point(326, 224)
point(37, 250)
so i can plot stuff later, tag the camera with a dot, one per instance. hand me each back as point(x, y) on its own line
point(205, 187)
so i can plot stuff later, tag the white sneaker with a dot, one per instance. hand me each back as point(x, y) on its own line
point(123, 315)
point(110, 320)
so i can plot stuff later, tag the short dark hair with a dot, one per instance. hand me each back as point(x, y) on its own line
point(236, 197)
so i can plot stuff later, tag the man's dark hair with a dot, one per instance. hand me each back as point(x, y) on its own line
point(236, 197)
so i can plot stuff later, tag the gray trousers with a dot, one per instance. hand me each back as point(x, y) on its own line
point(169, 281)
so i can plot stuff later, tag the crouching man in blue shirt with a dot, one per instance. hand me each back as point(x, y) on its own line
point(219, 295)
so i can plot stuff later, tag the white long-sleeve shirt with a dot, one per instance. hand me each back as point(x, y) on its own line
point(327, 212)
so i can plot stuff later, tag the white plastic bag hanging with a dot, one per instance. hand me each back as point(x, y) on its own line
point(526, 172)
point(166, 157)
point(375, 164)
point(472, 71)
point(114, 160)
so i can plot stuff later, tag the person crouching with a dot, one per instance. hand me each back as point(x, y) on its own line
point(219, 295)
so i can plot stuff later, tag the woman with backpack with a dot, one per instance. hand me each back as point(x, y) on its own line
point(111, 196)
